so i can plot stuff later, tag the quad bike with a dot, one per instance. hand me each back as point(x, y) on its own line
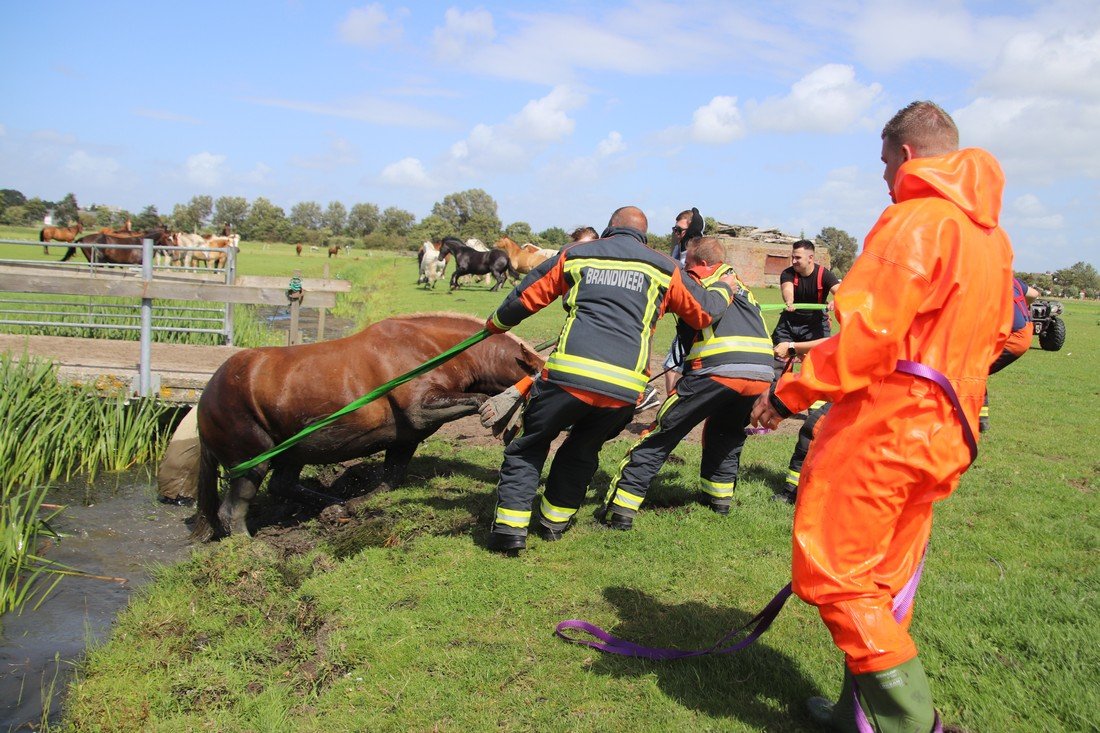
point(1050, 329)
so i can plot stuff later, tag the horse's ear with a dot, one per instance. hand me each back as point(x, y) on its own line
point(529, 360)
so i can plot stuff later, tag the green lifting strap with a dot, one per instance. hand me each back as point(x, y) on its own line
point(242, 468)
point(798, 306)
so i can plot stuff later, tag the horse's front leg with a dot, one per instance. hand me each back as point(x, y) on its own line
point(438, 406)
point(396, 465)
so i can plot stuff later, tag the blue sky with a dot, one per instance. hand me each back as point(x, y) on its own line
point(561, 111)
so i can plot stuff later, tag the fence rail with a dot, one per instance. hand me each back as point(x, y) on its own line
point(146, 283)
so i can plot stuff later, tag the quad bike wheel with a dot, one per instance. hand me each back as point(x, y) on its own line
point(1054, 335)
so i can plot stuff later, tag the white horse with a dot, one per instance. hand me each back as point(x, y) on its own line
point(431, 266)
point(544, 251)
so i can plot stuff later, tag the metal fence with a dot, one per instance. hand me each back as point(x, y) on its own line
point(95, 313)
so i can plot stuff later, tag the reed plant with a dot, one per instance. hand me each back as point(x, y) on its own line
point(51, 431)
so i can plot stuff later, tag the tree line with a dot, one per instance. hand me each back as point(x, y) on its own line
point(465, 214)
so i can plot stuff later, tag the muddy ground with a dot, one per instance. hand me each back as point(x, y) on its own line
point(336, 495)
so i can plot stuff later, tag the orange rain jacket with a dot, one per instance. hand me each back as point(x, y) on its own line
point(933, 285)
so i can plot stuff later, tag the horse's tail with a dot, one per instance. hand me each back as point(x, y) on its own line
point(42, 236)
point(206, 496)
point(513, 272)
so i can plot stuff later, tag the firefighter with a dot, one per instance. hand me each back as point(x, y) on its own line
point(933, 286)
point(1023, 331)
point(726, 366)
point(614, 290)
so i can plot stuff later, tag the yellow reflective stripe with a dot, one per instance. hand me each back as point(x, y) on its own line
point(555, 513)
point(669, 402)
point(597, 370)
point(984, 412)
point(793, 477)
point(730, 344)
point(819, 403)
point(498, 324)
point(647, 318)
point(512, 517)
point(625, 499)
point(718, 490)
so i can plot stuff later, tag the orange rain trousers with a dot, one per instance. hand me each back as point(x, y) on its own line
point(932, 285)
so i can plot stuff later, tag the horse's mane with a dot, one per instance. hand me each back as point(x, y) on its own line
point(460, 316)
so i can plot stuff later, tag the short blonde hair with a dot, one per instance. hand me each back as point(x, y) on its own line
point(706, 249)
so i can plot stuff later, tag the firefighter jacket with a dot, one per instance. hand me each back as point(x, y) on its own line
point(932, 285)
point(737, 344)
point(613, 291)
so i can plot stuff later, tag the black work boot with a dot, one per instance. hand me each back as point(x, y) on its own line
point(507, 544)
point(610, 518)
point(719, 509)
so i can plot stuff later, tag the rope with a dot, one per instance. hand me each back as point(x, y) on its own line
point(430, 364)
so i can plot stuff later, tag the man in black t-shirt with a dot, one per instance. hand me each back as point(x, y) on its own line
point(804, 282)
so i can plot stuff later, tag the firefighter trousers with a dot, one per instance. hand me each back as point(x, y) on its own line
point(550, 411)
point(697, 398)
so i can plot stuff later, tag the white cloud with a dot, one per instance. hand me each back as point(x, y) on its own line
point(158, 114)
point(522, 136)
point(890, 34)
point(407, 172)
point(462, 32)
point(260, 175)
point(92, 169)
point(717, 122)
point(1054, 63)
point(828, 99)
point(1027, 211)
point(204, 169)
point(1036, 139)
point(610, 145)
point(369, 26)
point(375, 110)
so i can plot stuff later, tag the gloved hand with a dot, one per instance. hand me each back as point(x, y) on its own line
point(501, 412)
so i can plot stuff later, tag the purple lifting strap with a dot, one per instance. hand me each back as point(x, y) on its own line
point(903, 601)
point(926, 372)
point(614, 645)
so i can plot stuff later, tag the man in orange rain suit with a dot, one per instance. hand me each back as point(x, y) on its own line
point(933, 285)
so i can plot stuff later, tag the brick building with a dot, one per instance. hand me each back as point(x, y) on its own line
point(760, 255)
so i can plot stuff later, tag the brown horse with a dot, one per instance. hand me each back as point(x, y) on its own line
point(523, 260)
point(91, 246)
point(298, 249)
point(59, 234)
point(260, 397)
point(333, 250)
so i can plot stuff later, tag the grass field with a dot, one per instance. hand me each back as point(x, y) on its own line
point(409, 624)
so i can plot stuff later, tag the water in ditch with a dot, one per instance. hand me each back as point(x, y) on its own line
point(114, 528)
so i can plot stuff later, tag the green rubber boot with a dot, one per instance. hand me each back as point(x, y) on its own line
point(839, 715)
point(898, 700)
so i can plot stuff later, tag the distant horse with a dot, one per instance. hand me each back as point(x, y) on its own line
point(432, 266)
point(94, 251)
point(298, 249)
point(217, 246)
point(185, 239)
point(260, 397)
point(59, 234)
point(469, 261)
point(334, 250)
point(521, 259)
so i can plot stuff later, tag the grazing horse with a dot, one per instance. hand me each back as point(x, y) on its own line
point(260, 397)
point(59, 234)
point(91, 246)
point(298, 249)
point(470, 261)
point(520, 258)
point(334, 250)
